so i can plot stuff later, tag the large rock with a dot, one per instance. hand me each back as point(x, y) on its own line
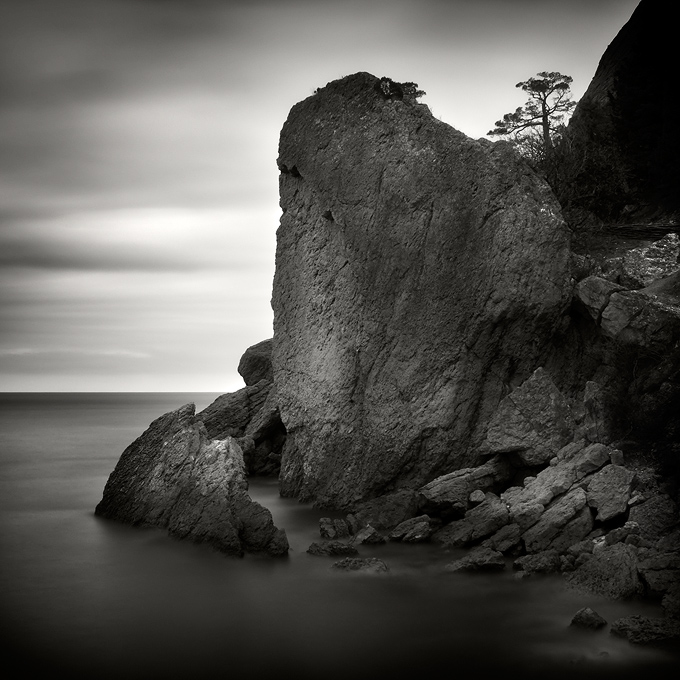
point(256, 363)
point(250, 414)
point(449, 494)
point(419, 273)
point(479, 522)
point(645, 630)
point(174, 477)
point(609, 491)
point(534, 421)
point(611, 571)
point(622, 159)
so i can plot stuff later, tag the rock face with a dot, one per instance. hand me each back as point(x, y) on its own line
point(174, 477)
point(624, 154)
point(419, 274)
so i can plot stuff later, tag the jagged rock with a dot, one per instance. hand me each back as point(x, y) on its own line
point(644, 630)
point(385, 512)
point(478, 559)
point(333, 528)
point(504, 540)
point(609, 491)
point(414, 530)
point(571, 465)
point(364, 564)
point(367, 535)
point(230, 414)
point(660, 571)
point(647, 264)
point(545, 562)
point(611, 571)
point(418, 273)
point(330, 548)
point(250, 412)
point(174, 477)
point(639, 318)
point(655, 516)
point(594, 293)
point(534, 421)
point(587, 618)
point(256, 363)
point(553, 521)
point(449, 495)
point(479, 522)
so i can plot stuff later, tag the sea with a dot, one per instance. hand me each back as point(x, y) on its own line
point(84, 597)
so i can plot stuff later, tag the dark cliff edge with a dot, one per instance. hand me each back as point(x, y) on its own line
point(446, 365)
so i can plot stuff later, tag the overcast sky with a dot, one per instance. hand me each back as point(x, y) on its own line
point(138, 145)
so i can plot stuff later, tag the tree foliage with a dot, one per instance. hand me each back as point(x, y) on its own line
point(535, 126)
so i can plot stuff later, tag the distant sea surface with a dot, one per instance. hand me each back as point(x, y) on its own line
point(83, 597)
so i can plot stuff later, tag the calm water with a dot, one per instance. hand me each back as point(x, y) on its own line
point(89, 598)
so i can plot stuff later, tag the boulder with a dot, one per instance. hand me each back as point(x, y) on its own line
point(333, 528)
point(645, 630)
point(479, 522)
point(449, 495)
point(367, 534)
point(545, 562)
point(534, 421)
point(570, 466)
point(371, 565)
point(250, 412)
point(587, 618)
point(174, 477)
point(660, 571)
point(478, 559)
point(330, 548)
point(385, 512)
point(418, 274)
point(546, 531)
point(230, 414)
point(610, 571)
point(414, 530)
point(656, 516)
point(256, 363)
point(505, 540)
point(609, 491)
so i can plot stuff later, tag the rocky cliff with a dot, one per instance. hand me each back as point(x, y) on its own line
point(622, 153)
point(419, 276)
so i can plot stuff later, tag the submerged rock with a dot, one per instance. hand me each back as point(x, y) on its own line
point(331, 548)
point(645, 630)
point(418, 273)
point(364, 564)
point(587, 618)
point(174, 477)
point(479, 559)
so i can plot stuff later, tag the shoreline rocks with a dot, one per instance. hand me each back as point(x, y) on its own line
point(174, 477)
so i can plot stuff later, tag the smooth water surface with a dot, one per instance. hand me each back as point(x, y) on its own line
point(83, 597)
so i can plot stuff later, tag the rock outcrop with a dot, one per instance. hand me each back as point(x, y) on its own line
point(623, 151)
point(176, 478)
point(419, 275)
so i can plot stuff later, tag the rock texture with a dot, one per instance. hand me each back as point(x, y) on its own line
point(174, 477)
point(419, 274)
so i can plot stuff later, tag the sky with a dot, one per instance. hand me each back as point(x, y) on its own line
point(138, 145)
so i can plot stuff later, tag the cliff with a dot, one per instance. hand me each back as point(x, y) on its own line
point(621, 162)
point(419, 276)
